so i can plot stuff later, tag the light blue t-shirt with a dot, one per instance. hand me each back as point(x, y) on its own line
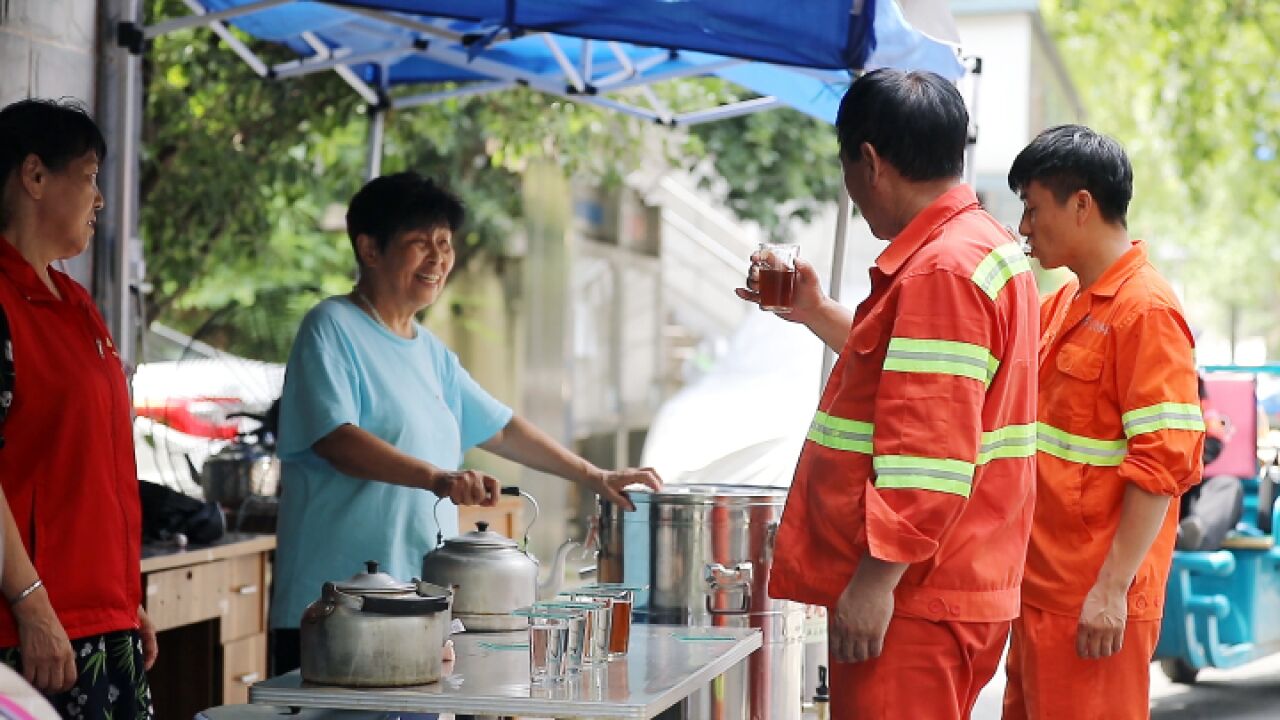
point(346, 368)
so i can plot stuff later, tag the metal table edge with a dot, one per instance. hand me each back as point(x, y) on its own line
point(740, 651)
point(296, 697)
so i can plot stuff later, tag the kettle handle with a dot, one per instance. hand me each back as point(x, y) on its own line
point(435, 513)
point(509, 490)
point(529, 527)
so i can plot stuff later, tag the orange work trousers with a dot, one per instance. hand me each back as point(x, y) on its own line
point(1049, 681)
point(926, 671)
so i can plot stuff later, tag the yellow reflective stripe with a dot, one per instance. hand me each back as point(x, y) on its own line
point(839, 423)
point(999, 267)
point(1010, 441)
point(945, 357)
point(1162, 416)
point(1080, 449)
point(909, 472)
point(841, 434)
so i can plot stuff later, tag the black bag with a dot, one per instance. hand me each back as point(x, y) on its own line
point(167, 512)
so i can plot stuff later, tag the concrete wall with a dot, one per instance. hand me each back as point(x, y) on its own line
point(48, 48)
point(1004, 44)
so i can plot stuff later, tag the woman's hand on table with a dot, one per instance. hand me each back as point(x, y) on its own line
point(48, 662)
point(150, 647)
point(608, 484)
point(467, 487)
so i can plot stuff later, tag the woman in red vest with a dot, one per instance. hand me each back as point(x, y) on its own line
point(71, 619)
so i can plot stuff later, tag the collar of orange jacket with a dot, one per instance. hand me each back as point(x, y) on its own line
point(919, 231)
point(1120, 270)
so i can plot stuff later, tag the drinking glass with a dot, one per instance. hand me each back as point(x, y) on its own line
point(548, 648)
point(579, 616)
point(599, 624)
point(775, 266)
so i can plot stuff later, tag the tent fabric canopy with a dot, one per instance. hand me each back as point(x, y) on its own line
point(799, 55)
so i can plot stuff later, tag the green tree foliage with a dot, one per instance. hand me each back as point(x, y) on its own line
point(772, 167)
point(240, 174)
point(1189, 86)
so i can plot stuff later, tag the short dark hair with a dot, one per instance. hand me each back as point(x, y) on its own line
point(1068, 158)
point(56, 131)
point(915, 120)
point(392, 204)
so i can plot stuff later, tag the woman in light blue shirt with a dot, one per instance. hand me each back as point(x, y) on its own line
point(377, 413)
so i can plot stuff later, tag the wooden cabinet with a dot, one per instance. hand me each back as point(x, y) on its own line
point(184, 595)
point(209, 606)
point(506, 518)
point(244, 662)
point(243, 603)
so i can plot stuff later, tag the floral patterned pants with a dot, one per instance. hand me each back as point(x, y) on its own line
point(112, 684)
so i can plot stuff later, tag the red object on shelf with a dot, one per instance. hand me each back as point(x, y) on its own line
point(200, 416)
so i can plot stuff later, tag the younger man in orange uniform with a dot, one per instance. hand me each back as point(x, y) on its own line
point(1120, 435)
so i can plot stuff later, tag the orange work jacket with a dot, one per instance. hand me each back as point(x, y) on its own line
point(923, 447)
point(1118, 405)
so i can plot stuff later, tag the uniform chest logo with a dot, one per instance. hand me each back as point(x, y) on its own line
point(1092, 324)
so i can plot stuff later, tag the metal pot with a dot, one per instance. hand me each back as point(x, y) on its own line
point(491, 575)
point(235, 472)
point(374, 631)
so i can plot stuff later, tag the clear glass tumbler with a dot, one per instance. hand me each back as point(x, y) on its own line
point(599, 626)
point(548, 648)
point(620, 623)
point(577, 613)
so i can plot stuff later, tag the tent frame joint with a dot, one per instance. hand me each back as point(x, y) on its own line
point(130, 36)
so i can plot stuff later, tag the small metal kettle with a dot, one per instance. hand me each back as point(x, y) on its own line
point(491, 575)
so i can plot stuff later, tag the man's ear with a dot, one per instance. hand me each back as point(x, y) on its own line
point(1083, 203)
point(367, 249)
point(871, 160)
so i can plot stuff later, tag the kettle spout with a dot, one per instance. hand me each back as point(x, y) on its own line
point(550, 587)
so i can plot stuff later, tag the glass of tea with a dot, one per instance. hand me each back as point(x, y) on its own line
point(775, 266)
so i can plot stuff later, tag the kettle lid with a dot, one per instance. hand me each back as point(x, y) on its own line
point(482, 538)
point(373, 582)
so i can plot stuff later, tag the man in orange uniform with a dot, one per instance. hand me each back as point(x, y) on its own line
point(911, 505)
point(1120, 435)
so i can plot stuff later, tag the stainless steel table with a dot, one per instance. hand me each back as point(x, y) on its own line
point(491, 677)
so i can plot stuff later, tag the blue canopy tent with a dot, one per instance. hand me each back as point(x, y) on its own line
point(589, 50)
point(598, 52)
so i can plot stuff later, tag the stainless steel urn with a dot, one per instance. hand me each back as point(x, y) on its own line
point(705, 551)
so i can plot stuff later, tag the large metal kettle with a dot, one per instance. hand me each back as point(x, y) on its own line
point(491, 575)
point(375, 631)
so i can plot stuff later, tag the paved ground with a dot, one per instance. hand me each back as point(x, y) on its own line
point(1251, 692)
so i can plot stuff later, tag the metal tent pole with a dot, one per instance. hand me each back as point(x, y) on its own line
point(971, 146)
point(116, 247)
point(844, 207)
point(377, 134)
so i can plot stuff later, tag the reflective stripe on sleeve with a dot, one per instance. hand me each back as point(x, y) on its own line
point(1079, 449)
point(946, 357)
point(841, 434)
point(1162, 416)
point(1010, 441)
point(908, 472)
point(999, 267)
